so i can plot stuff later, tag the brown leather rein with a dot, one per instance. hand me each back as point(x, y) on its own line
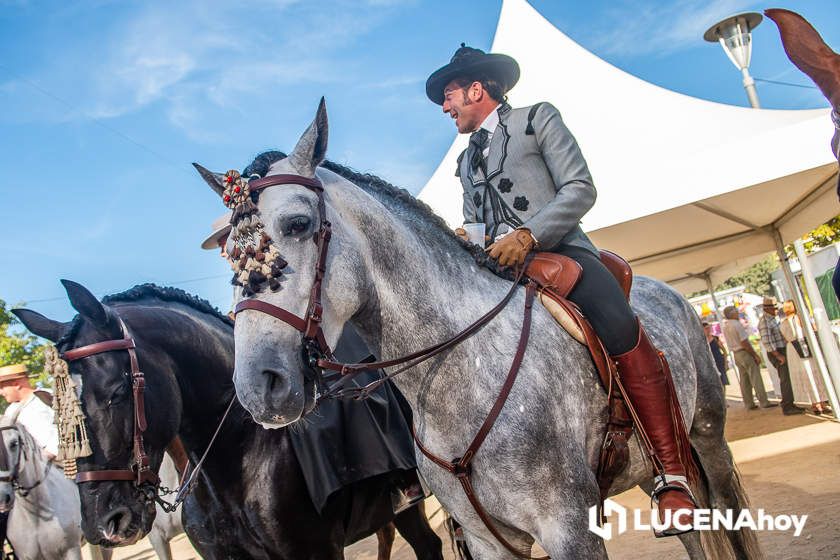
point(139, 470)
point(319, 356)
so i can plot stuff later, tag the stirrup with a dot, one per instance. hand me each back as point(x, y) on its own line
point(666, 483)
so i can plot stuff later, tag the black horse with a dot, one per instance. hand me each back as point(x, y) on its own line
point(251, 500)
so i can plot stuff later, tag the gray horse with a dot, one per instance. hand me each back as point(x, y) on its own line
point(45, 516)
point(405, 281)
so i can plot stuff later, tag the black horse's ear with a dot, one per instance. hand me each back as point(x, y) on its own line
point(311, 149)
point(39, 325)
point(85, 303)
point(215, 180)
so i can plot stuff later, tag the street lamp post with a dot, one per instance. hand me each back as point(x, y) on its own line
point(735, 36)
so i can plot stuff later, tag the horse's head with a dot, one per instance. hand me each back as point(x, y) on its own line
point(114, 512)
point(272, 379)
point(11, 451)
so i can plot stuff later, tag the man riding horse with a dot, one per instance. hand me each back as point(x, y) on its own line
point(524, 177)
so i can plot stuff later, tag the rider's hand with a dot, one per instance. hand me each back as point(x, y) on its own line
point(512, 249)
point(462, 233)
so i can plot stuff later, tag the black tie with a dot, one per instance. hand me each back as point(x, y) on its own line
point(478, 139)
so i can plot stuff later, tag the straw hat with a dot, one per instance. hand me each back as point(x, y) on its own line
point(221, 228)
point(16, 371)
point(769, 301)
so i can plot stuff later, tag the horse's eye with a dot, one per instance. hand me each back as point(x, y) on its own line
point(119, 395)
point(13, 445)
point(297, 225)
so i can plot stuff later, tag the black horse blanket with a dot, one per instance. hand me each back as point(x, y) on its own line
point(345, 441)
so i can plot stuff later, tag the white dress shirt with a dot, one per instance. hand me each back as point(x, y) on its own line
point(489, 124)
point(37, 418)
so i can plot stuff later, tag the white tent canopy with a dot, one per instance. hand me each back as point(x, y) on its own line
point(685, 186)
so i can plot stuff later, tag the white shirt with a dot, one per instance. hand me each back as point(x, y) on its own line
point(489, 124)
point(37, 418)
point(734, 332)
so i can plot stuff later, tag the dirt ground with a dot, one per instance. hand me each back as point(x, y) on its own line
point(789, 464)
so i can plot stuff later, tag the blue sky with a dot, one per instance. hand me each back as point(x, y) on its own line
point(104, 104)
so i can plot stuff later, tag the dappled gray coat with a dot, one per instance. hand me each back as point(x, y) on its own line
point(536, 178)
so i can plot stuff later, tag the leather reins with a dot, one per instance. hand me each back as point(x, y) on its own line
point(318, 355)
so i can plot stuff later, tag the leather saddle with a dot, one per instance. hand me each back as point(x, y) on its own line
point(556, 276)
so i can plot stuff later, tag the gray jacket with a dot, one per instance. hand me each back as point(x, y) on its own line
point(536, 178)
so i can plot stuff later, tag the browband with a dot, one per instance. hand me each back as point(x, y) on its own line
point(285, 179)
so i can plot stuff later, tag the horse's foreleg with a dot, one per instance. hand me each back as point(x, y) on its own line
point(73, 553)
point(160, 544)
point(415, 529)
point(385, 539)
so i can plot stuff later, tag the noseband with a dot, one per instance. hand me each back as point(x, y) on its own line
point(138, 471)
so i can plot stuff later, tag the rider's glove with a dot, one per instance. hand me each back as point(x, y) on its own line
point(512, 249)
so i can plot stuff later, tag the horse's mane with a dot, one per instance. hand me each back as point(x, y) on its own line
point(382, 189)
point(141, 291)
point(166, 293)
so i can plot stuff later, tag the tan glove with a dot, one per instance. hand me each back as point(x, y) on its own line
point(512, 249)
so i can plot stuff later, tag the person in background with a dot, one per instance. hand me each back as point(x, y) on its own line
point(27, 409)
point(776, 346)
point(746, 360)
point(219, 236)
point(718, 352)
point(805, 379)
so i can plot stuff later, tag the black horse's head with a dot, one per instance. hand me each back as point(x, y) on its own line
point(113, 512)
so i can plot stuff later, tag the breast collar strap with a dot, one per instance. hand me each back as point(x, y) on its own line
point(139, 471)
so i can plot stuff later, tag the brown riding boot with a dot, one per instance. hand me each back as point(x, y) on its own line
point(646, 378)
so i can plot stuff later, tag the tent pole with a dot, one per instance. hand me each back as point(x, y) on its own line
point(824, 333)
point(800, 303)
point(708, 278)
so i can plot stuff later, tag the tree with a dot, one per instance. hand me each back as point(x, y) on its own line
point(17, 347)
point(823, 236)
point(755, 279)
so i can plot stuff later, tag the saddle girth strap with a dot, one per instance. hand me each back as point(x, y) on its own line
point(461, 467)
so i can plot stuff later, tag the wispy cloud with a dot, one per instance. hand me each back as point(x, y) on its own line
point(659, 28)
point(195, 54)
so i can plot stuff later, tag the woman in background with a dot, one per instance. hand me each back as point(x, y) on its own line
point(718, 352)
point(808, 385)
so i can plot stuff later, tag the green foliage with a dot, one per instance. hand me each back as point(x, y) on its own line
point(755, 279)
point(18, 346)
point(823, 236)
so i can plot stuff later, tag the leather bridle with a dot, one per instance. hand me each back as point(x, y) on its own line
point(139, 470)
point(318, 355)
point(314, 345)
point(14, 470)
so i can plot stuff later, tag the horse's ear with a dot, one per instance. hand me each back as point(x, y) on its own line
point(312, 146)
point(39, 325)
point(215, 180)
point(85, 303)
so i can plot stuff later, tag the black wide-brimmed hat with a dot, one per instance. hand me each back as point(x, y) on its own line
point(470, 62)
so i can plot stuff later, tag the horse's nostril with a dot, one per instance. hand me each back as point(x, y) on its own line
point(115, 522)
point(275, 379)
